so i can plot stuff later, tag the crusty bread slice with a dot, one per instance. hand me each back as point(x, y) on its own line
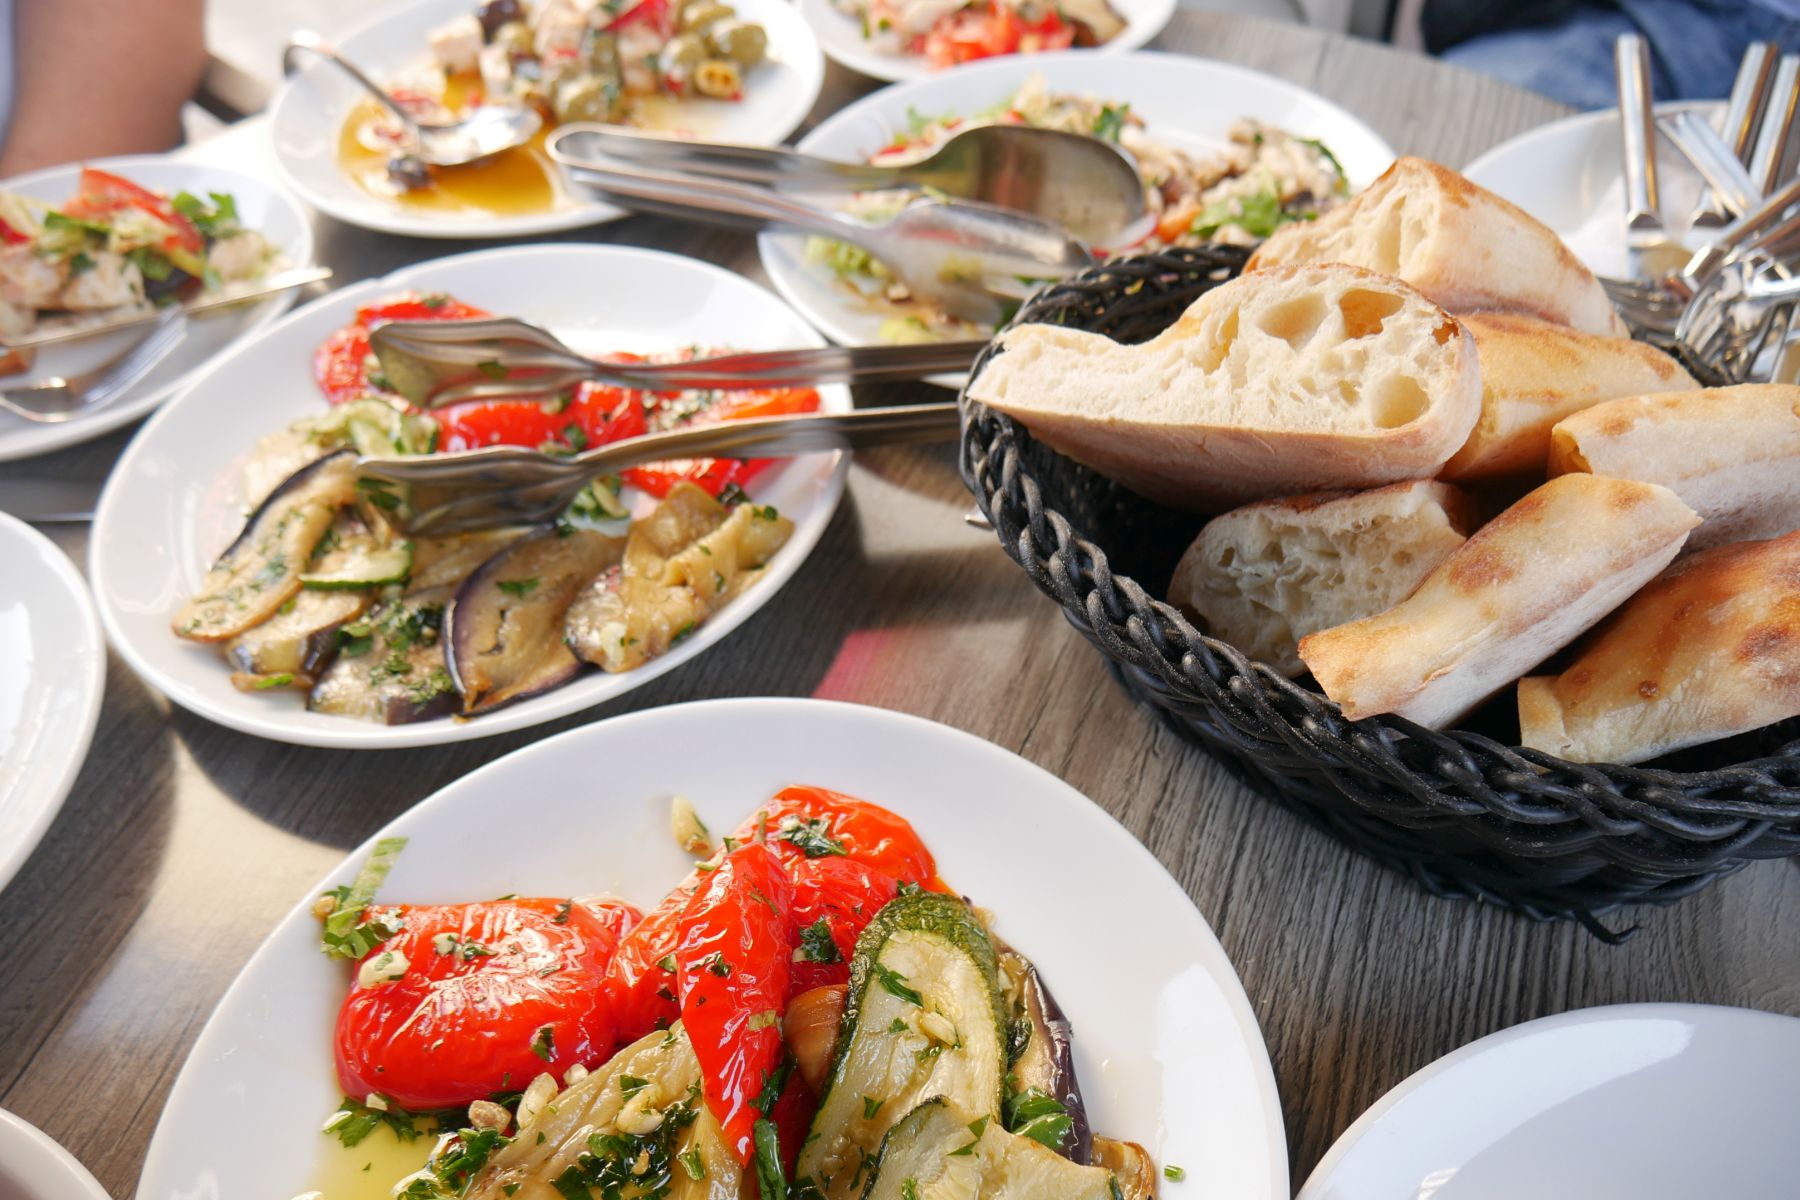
point(1463, 246)
point(1710, 649)
point(1524, 586)
point(1533, 374)
point(1280, 382)
point(1264, 576)
point(1732, 453)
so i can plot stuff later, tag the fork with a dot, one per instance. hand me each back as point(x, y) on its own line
point(55, 400)
point(439, 363)
point(505, 485)
point(1733, 321)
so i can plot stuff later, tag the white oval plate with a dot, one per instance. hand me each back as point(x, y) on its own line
point(840, 36)
point(50, 686)
point(263, 207)
point(174, 500)
point(1168, 1048)
point(1185, 101)
point(309, 112)
point(1566, 174)
point(1627, 1102)
point(32, 1167)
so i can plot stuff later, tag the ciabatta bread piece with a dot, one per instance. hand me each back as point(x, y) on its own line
point(1535, 373)
point(1710, 649)
point(1732, 453)
point(1463, 246)
point(1265, 575)
point(1527, 584)
point(1285, 381)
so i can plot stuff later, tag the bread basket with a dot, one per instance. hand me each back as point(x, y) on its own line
point(1465, 813)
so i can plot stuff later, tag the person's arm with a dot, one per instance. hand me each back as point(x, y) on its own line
point(98, 77)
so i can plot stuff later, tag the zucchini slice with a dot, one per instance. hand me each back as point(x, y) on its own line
point(645, 1100)
point(922, 1019)
point(352, 566)
point(939, 1152)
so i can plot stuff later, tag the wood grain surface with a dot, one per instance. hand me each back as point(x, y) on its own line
point(183, 842)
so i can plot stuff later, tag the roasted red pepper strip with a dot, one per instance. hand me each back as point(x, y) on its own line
point(732, 978)
point(489, 996)
point(640, 983)
point(715, 474)
point(843, 893)
point(341, 363)
point(596, 414)
point(812, 822)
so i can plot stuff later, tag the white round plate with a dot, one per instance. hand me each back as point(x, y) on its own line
point(263, 207)
point(50, 687)
point(840, 36)
point(1167, 1046)
point(32, 1167)
point(1566, 174)
point(1184, 101)
point(1628, 1102)
point(308, 115)
point(173, 502)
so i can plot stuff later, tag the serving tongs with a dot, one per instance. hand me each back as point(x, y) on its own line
point(503, 485)
point(971, 260)
point(438, 363)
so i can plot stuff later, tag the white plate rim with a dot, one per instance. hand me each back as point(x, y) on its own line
point(562, 702)
point(1318, 1183)
point(1218, 962)
point(584, 213)
point(48, 438)
point(852, 52)
point(1013, 68)
point(48, 1161)
point(91, 684)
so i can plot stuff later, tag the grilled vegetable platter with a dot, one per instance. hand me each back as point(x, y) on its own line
point(812, 1012)
point(326, 595)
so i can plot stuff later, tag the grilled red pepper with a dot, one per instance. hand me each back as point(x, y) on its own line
point(489, 996)
point(595, 415)
point(834, 898)
point(341, 363)
point(812, 822)
point(732, 979)
point(640, 983)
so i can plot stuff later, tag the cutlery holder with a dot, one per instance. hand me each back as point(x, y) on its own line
point(1465, 813)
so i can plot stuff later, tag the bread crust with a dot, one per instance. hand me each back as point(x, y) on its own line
point(1217, 411)
point(1524, 586)
point(1708, 650)
point(1263, 576)
point(1460, 244)
point(1535, 373)
point(1732, 453)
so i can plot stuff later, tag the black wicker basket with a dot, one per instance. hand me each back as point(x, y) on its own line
point(1462, 812)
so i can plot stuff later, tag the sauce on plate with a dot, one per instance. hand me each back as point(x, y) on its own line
point(370, 1169)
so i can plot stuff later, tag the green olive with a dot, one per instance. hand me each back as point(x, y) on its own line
point(585, 98)
point(515, 36)
point(743, 42)
point(683, 53)
point(702, 13)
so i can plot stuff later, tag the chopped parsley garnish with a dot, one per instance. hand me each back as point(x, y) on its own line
point(631, 1085)
point(1174, 1172)
point(871, 1106)
point(279, 680)
point(894, 983)
point(771, 1180)
point(575, 436)
point(897, 1025)
point(1110, 123)
point(692, 1163)
point(81, 263)
point(909, 1189)
point(354, 1121)
point(543, 1043)
point(346, 935)
point(216, 220)
point(811, 838)
point(1036, 1114)
point(817, 944)
point(377, 493)
point(718, 966)
point(517, 587)
point(492, 369)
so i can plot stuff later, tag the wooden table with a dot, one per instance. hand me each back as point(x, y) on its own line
point(183, 842)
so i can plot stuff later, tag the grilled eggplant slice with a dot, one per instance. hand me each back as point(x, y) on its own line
point(940, 1149)
point(299, 640)
point(446, 561)
point(504, 629)
point(261, 569)
point(922, 1018)
point(390, 665)
point(1131, 1167)
point(682, 562)
point(662, 1118)
point(1043, 1059)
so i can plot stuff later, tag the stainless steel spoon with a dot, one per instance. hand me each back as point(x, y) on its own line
point(1088, 186)
point(488, 130)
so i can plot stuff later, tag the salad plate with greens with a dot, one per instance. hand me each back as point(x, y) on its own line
point(89, 243)
point(1227, 155)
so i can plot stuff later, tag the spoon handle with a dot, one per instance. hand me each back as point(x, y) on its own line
point(312, 43)
point(591, 145)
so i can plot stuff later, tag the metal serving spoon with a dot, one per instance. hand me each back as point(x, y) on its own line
point(490, 129)
point(966, 258)
point(1088, 186)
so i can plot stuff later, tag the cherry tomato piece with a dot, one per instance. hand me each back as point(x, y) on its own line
point(101, 193)
point(732, 977)
point(491, 995)
point(843, 893)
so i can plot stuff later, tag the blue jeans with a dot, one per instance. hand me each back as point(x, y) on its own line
point(1694, 48)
